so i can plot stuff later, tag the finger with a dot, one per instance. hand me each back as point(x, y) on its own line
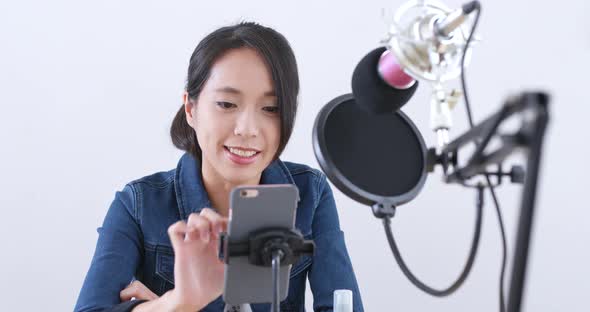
point(192, 233)
point(199, 228)
point(218, 222)
point(127, 293)
point(177, 233)
point(137, 290)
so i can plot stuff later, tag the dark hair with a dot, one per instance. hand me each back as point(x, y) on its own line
point(279, 57)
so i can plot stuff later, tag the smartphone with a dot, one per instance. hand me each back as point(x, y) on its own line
point(253, 208)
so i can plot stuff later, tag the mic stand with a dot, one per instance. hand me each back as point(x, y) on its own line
point(532, 107)
point(270, 247)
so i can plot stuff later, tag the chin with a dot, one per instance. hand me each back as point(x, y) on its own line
point(241, 176)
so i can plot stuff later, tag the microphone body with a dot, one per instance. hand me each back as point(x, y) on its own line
point(428, 39)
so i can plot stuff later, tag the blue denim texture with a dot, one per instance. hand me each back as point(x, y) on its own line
point(133, 241)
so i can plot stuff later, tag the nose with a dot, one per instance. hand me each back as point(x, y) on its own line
point(246, 124)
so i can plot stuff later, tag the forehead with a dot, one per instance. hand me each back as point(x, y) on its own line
point(242, 69)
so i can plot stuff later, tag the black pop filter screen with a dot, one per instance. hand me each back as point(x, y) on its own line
point(380, 154)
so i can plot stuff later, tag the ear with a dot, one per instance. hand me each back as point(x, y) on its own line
point(188, 108)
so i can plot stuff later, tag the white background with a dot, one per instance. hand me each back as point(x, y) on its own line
point(88, 90)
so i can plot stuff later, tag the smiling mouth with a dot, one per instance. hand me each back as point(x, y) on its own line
point(241, 152)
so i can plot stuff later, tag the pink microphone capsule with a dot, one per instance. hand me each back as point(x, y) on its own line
point(392, 72)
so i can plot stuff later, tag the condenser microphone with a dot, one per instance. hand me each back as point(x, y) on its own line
point(429, 48)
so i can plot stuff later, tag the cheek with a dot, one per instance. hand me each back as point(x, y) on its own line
point(205, 126)
point(275, 136)
point(209, 136)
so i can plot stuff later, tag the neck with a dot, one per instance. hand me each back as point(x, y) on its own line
point(218, 189)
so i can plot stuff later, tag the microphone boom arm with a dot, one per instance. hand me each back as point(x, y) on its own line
point(533, 107)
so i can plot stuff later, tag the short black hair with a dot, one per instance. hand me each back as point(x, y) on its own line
point(279, 57)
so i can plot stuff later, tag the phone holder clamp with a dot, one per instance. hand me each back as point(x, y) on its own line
point(262, 244)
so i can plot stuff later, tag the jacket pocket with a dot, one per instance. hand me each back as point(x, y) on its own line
point(165, 263)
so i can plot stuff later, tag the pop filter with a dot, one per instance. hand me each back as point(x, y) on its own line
point(373, 159)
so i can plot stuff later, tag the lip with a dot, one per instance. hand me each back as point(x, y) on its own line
point(239, 159)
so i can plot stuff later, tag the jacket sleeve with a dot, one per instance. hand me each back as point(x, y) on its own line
point(116, 257)
point(331, 268)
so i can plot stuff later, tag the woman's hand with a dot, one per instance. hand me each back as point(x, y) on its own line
point(138, 291)
point(198, 272)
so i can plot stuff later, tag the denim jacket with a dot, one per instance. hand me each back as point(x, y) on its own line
point(133, 241)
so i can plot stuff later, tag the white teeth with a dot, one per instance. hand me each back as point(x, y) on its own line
point(241, 153)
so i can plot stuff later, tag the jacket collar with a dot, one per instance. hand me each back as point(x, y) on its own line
point(191, 195)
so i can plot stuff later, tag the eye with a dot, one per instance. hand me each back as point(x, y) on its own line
point(271, 109)
point(226, 105)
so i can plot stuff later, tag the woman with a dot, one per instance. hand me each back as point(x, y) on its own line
point(237, 116)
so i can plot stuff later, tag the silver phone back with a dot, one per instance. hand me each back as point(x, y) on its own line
point(273, 206)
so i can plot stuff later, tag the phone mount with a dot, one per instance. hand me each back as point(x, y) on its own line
point(263, 243)
point(269, 247)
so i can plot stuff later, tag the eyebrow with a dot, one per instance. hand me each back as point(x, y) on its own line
point(232, 90)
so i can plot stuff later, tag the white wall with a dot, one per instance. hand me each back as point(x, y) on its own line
point(88, 90)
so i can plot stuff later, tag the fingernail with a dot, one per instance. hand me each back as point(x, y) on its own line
point(206, 236)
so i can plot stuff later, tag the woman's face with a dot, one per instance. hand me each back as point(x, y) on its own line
point(236, 117)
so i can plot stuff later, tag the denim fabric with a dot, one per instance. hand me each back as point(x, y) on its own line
point(133, 242)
